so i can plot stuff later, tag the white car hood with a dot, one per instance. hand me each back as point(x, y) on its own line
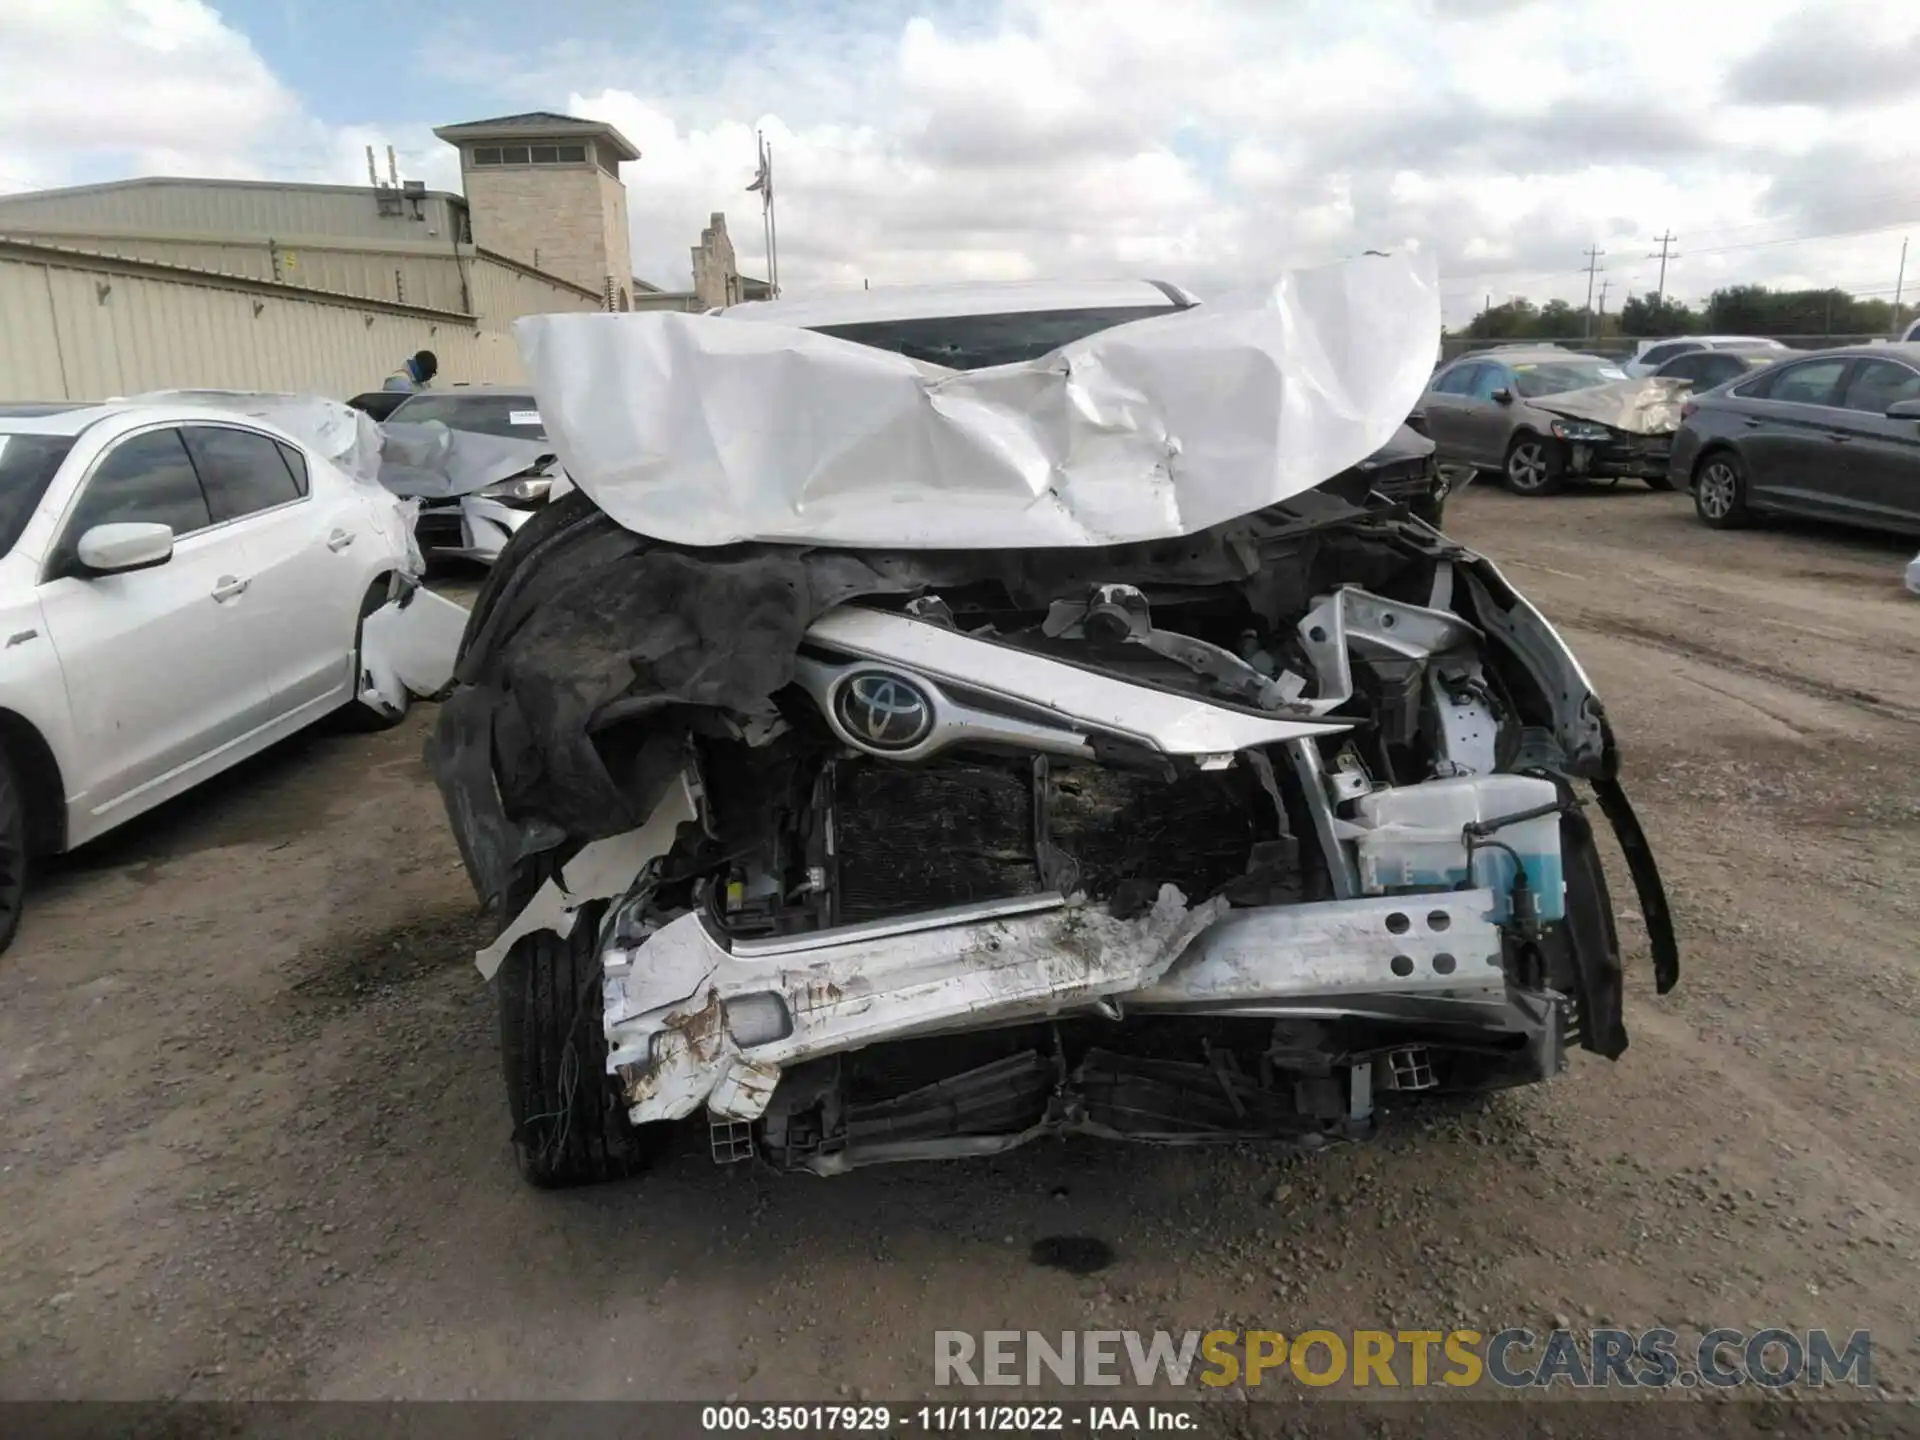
point(703, 430)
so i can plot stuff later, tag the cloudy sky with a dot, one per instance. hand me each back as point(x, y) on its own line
point(1206, 141)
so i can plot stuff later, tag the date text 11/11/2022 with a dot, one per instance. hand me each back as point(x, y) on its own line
point(938, 1419)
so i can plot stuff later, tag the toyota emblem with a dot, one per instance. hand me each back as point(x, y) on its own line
point(884, 712)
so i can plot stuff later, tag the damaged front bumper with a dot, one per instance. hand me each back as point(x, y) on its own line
point(693, 1021)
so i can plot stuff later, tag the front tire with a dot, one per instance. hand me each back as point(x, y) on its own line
point(570, 1123)
point(1720, 491)
point(13, 851)
point(1535, 466)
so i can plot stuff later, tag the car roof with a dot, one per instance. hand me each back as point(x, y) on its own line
point(43, 420)
point(461, 391)
point(1909, 351)
point(1531, 352)
point(926, 302)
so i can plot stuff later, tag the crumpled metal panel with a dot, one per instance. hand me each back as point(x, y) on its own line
point(704, 430)
point(1640, 407)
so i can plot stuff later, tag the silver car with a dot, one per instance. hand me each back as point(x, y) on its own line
point(1484, 411)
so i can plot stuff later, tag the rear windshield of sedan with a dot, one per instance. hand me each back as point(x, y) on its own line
point(1557, 377)
point(973, 342)
point(513, 417)
point(27, 464)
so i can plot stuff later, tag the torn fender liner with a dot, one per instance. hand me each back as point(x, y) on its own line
point(1640, 407)
point(600, 871)
point(674, 1039)
point(706, 430)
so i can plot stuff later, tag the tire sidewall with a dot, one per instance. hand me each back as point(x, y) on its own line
point(1553, 476)
point(356, 713)
point(1735, 510)
point(14, 859)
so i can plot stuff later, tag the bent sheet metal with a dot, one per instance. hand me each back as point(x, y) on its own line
point(702, 430)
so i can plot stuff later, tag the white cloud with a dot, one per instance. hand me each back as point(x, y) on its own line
point(1212, 142)
point(143, 85)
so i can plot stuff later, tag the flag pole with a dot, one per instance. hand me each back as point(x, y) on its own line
point(773, 232)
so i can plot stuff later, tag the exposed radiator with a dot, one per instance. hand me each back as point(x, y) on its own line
point(918, 837)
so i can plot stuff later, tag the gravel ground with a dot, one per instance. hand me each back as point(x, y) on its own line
point(255, 1143)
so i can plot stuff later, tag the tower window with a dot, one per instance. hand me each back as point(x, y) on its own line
point(546, 155)
point(513, 155)
point(486, 155)
point(573, 154)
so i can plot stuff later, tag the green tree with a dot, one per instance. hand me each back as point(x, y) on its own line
point(1645, 315)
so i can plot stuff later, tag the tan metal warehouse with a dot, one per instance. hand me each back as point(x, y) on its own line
point(138, 284)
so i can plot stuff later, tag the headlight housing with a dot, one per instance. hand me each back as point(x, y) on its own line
point(521, 490)
point(1587, 430)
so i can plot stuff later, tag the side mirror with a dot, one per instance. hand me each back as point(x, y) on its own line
point(1503, 396)
point(116, 549)
point(1904, 410)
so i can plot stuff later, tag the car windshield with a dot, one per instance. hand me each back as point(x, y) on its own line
point(513, 417)
point(1557, 377)
point(27, 463)
point(973, 342)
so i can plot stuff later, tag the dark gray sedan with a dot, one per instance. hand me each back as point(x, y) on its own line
point(1833, 436)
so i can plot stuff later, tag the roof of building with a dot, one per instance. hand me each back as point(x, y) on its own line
point(154, 182)
point(537, 122)
point(921, 302)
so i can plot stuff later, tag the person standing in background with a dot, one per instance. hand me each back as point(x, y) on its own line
point(415, 373)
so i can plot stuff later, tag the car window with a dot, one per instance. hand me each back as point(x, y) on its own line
point(145, 479)
point(1691, 366)
point(512, 417)
point(27, 466)
point(1489, 378)
point(296, 463)
point(973, 342)
point(1558, 377)
point(1880, 383)
point(241, 470)
point(1810, 383)
point(1456, 381)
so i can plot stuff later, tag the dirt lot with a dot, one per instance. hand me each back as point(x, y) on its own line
point(254, 1143)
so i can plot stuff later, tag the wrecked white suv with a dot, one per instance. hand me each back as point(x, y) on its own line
point(894, 760)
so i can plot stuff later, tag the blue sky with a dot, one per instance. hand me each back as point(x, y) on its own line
point(1212, 142)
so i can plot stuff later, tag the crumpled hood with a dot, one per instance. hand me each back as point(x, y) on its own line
point(702, 430)
point(430, 461)
point(1645, 406)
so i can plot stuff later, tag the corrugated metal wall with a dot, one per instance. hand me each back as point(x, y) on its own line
point(78, 331)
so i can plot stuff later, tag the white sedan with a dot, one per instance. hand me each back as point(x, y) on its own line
point(180, 587)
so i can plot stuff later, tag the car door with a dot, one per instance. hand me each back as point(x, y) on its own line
point(158, 669)
point(1787, 438)
point(299, 531)
point(1878, 478)
point(1486, 423)
point(1442, 407)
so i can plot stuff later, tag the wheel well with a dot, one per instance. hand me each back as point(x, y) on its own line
point(38, 774)
point(1707, 452)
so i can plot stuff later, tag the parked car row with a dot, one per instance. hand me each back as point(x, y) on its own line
point(1748, 426)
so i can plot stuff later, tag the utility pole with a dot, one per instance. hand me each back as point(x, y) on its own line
point(1593, 254)
point(1601, 327)
point(1665, 241)
point(1899, 284)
